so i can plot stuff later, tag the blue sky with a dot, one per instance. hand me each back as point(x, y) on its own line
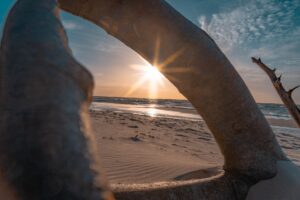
point(269, 29)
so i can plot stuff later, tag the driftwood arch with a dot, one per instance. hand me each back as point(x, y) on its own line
point(45, 94)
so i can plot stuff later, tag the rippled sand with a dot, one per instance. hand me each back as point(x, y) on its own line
point(143, 149)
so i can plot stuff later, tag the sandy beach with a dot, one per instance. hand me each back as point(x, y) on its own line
point(138, 148)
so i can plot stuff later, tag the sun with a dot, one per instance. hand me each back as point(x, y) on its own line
point(150, 75)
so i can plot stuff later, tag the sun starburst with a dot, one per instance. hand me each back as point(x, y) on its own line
point(151, 73)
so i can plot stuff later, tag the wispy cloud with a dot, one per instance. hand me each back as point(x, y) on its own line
point(70, 25)
point(263, 28)
point(257, 22)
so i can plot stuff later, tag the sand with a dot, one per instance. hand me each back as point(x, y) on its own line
point(137, 149)
point(142, 149)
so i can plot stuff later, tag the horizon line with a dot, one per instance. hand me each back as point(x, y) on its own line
point(182, 99)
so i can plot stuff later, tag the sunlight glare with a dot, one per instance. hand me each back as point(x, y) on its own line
point(152, 74)
point(149, 74)
point(152, 112)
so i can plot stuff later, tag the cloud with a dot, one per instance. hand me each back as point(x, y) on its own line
point(70, 25)
point(256, 22)
point(262, 28)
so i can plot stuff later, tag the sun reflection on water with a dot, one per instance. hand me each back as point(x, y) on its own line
point(152, 111)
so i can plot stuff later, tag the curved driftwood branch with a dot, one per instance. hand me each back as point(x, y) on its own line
point(166, 39)
point(46, 150)
point(286, 96)
point(229, 109)
point(224, 187)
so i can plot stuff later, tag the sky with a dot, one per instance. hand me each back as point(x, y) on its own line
point(269, 29)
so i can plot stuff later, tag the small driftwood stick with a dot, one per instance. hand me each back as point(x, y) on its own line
point(286, 96)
